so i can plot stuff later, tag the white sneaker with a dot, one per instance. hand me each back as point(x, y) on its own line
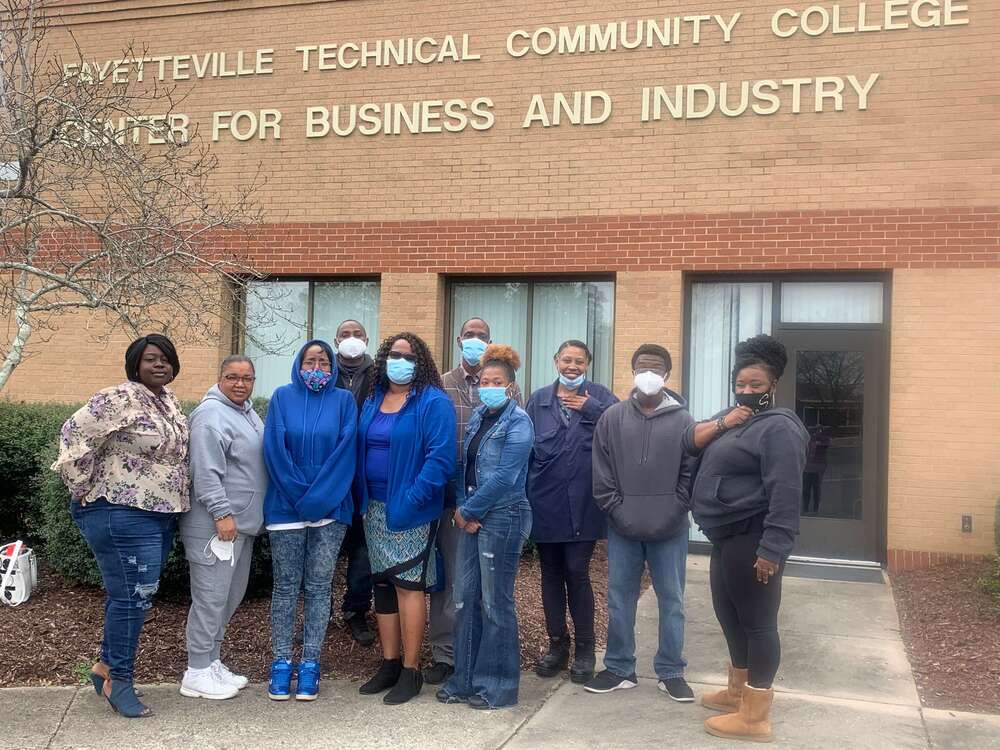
point(206, 683)
point(238, 681)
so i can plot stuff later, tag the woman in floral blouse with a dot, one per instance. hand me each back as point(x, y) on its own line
point(124, 459)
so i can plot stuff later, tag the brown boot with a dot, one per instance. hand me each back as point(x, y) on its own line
point(727, 699)
point(752, 722)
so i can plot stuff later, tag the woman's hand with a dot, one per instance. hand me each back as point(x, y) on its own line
point(739, 415)
point(574, 402)
point(765, 569)
point(469, 527)
point(225, 528)
point(458, 520)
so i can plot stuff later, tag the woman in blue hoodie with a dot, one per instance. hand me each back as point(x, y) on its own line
point(310, 452)
point(494, 513)
point(406, 456)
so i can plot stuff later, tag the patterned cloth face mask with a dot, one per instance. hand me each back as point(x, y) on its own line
point(315, 380)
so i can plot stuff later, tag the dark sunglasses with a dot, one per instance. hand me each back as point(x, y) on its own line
point(399, 355)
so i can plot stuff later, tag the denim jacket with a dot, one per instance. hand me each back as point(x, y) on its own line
point(501, 462)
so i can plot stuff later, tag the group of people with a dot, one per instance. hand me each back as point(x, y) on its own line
point(433, 484)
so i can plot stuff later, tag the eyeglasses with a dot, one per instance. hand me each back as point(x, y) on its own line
point(233, 379)
point(314, 363)
point(399, 355)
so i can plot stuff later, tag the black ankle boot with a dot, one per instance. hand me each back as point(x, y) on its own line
point(584, 662)
point(556, 659)
point(408, 686)
point(385, 678)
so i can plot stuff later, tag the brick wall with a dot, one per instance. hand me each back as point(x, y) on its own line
point(944, 450)
point(648, 309)
point(415, 302)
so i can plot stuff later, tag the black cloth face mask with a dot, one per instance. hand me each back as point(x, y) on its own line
point(757, 402)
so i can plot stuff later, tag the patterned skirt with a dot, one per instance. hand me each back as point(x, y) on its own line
point(402, 558)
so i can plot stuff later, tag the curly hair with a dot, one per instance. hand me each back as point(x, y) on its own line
point(426, 373)
point(504, 357)
point(763, 351)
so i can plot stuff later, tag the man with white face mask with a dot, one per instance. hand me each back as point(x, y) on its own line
point(354, 373)
point(641, 480)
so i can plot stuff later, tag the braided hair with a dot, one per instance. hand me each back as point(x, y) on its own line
point(761, 351)
point(426, 373)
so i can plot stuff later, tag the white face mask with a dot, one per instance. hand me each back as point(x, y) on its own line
point(222, 550)
point(352, 348)
point(649, 383)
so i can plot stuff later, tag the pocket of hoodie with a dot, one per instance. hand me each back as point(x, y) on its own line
point(706, 487)
point(240, 500)
point(649, 517)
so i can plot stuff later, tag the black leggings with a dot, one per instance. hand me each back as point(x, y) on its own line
point(747, 609)
point(566, 574)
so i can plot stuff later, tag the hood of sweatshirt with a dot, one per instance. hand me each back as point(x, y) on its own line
point(677, 401)
point(215, 394)
point(296, 376)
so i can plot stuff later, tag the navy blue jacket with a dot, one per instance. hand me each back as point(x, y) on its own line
point(501, 462)
point(559, 478)
point(309, 449)
point(421, 457)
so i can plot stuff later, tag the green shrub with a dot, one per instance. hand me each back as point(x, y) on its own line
point(26, 430)
point(990, 583)
point(996, 526)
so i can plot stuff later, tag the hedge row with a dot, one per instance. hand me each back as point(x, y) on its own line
point(34, 503)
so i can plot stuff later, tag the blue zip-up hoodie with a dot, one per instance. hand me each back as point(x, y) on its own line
point(421, 457)
point(310, 449)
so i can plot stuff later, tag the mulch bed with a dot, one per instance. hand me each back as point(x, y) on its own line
point(952, 634)
point(54, 637)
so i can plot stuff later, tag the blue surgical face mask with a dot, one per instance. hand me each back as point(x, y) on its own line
point(493, 396)
point(400, 371)
point(472, 350)
point(573, 383)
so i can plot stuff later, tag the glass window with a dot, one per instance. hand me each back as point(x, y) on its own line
point(283, 315)
point(831, 302)
point(535, 317)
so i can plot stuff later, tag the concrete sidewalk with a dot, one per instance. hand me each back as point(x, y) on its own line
point(844, 683)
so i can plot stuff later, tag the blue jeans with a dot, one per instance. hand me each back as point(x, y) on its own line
point(487, 648)
point(303, 559)
point(627, 559)
point(131, 546)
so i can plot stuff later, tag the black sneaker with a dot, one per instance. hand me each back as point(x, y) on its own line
point(606, 681)
point(677, 689)
point(360, 632)
point(438, 672)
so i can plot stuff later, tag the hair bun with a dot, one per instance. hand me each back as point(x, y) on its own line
point(765, 349)
point(502, 353)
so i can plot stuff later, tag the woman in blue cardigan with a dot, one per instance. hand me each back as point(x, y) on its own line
point(406, 456)
point(496, 518)
point(309, 450)
point(566, 521)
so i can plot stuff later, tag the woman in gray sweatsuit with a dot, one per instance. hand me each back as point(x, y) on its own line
point(228, 482)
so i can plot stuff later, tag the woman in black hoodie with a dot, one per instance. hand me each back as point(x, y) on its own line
point(746, 499)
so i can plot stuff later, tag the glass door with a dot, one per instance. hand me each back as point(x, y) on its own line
point(833, 382)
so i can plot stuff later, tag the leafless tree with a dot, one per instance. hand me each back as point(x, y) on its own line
point(107, 201)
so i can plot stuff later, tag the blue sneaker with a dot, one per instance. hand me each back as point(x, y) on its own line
point(279, 686)
point(308, 684)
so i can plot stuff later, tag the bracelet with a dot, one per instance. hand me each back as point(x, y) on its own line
point(720, 426)
point(223, 518)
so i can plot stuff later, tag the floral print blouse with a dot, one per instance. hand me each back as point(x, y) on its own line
point(129, 446)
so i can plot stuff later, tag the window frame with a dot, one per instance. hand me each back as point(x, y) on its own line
point(451, 352)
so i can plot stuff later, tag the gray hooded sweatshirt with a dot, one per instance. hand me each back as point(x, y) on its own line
point(641, 472)
point(227, 468)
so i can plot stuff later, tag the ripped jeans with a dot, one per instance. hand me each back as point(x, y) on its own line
point(487, 648)
point(131, 546)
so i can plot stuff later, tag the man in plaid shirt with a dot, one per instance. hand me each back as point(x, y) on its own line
point(462, 385)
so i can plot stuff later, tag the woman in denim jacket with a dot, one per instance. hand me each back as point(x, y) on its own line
point(494, 513)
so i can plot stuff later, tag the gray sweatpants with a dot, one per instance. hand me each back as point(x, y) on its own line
point(441, 629)
point(217, 588)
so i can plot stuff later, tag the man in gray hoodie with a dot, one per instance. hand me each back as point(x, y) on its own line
point(641, 477)
point(228, 483)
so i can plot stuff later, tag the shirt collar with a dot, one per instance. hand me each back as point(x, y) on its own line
point(472, 378)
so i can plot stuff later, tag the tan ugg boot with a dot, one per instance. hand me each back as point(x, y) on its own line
point(727, 699)
point(752, 722)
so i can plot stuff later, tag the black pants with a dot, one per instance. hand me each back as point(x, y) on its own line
point(358, 596)
point(566, 575)
point(747, 609)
